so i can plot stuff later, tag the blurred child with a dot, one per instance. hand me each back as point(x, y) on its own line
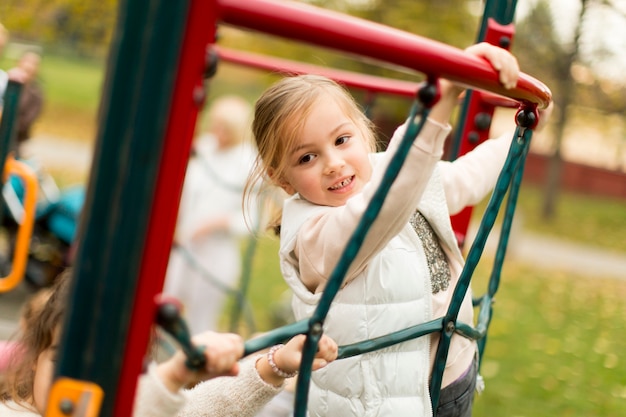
point(30, 309)
point(206, 257)
point(31, 98)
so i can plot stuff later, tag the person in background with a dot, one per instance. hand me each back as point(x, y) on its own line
point(206, 257)
point(15, 73)
point(31, 98)
point(4, 77)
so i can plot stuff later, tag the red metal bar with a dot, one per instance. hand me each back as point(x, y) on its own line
point(296, 21)
point(351, 79)
point(334, 30)
point(473, 133)
point(186, 103)
point(366, 82)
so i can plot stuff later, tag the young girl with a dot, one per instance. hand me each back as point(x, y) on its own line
point(316, 144)
point(24, 392)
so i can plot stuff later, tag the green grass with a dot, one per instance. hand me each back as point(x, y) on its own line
point(593, 220)
point(555, 347)
point(72, 90)
point(590, 220)
point(267, 292)
point(75, 84)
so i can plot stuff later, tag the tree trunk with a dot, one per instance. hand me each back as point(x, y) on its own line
point(566, 87)
point(553, 182)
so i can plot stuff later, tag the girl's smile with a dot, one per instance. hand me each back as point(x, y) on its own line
point(343, 186)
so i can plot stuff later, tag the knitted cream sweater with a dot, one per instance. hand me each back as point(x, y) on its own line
point(240, 396)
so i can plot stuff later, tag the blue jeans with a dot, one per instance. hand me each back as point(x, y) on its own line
point(456, 399)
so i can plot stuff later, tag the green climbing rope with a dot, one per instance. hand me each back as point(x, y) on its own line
point(508, 181)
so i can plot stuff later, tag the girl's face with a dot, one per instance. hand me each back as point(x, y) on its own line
point(329, 163)
point(44, 371)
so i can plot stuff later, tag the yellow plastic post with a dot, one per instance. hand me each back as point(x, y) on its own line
point(25, 231)
point(73, 398)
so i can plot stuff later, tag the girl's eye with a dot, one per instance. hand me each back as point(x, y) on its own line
point(341, 140)
point(305, 159)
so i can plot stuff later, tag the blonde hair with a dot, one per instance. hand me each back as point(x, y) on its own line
point(279, 117)
point(231, 114)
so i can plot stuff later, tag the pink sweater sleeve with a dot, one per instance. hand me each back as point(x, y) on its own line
point(240, 396)
point(321, 240)
point(471, 177)
point(153, 399)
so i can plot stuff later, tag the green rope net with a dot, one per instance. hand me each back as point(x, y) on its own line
point(508, 181)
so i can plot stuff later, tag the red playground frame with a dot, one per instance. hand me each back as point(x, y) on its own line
point(299, 22)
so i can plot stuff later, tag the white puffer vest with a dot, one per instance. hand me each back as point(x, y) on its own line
point(389, 382)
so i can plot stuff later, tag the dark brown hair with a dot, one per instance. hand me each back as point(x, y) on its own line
point(36, 337)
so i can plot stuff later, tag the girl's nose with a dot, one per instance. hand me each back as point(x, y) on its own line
point(334, 163)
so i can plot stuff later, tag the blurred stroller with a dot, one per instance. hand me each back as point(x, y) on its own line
point(54, 233)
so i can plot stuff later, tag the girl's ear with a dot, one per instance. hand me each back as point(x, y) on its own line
point(287, 187)
point(281, 182)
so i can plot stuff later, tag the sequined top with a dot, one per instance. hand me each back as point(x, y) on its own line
point(435, 257)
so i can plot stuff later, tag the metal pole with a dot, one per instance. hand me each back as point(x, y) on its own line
point(137, 98)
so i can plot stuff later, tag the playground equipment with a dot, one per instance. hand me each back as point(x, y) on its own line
point(39, 221)
point(152, 95)
point(56, 220)
point(12, 276)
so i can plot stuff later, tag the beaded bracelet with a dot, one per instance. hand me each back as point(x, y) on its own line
point(275, 368)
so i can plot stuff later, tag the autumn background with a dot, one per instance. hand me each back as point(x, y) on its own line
point(555, 344)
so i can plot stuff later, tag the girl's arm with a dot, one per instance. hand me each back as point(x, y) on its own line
point(223, 350)
point(322, 239)
point(256, 384)
point(257, 381)
point(500, 59)
point(472, 176)
point(468, 179)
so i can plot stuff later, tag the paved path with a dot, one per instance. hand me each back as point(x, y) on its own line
point(556, 254)
point(60, 154)
point(551, 253)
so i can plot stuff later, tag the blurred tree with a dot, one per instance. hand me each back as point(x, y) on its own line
point(556, 62)
point(85, 27)
point(536, 43)
point(455, 22)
